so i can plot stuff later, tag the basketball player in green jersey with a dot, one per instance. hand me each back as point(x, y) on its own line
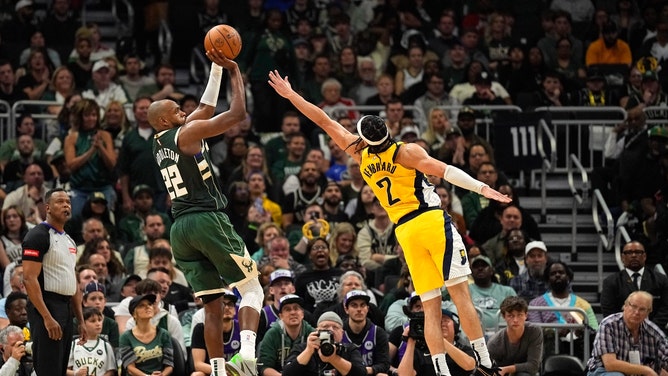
point(205, 245)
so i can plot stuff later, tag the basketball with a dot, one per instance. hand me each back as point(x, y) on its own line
point(225, 39)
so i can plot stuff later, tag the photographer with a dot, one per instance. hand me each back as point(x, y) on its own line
point(14, 360)
point(416, 359)
point(313, 358)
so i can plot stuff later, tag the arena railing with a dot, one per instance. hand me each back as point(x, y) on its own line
point(606, 237)
point(40, 116)
point(7, 128)
point(584, 326)
point(548, 165)
point(656, 115)
point(580, 196)
point(564, 119)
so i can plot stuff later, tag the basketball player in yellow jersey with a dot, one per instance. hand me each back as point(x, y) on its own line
point(433, 248)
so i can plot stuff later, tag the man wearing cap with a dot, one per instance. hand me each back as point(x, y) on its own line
point(283, 335)
point(486, 294)
point(104, 90)
point(371, 339)
point(94, 296)
point(608, 49)
point(595, 92)
point(49, 257)
point(306, 359)
point(530, 283)
point(231, 338)
point(281, 283)
point(635, 276)
point(483, 94)
point(652, 95)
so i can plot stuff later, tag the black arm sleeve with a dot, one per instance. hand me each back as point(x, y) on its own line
point(36, 243)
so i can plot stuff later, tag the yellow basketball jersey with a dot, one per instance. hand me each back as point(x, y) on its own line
point(400, 190)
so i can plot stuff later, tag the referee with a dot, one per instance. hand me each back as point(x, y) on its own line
point(49, 255)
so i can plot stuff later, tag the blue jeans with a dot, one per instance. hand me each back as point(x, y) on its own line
point(600, 371)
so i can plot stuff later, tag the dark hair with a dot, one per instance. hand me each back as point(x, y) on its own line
point(374, 129)
point(89, 312)
point(186, 98)
point(569, 271)
point(23, 116)
point(50, 193)
point(514, 303)
point(147, 286)
point(526, 236)
point(158, 252)
point(158, 269)
point(114, 266)
point(24, 224)
point(14, 296)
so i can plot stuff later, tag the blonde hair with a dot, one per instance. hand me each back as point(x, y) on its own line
point(341, 228)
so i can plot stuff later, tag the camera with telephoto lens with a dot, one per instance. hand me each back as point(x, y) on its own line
point(416, 326)
point(327, 345)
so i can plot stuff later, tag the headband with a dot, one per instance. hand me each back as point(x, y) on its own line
point(372, 143)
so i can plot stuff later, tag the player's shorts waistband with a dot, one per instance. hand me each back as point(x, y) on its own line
point(414, 214)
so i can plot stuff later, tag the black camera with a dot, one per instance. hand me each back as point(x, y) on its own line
point(416, 326)
point(327, 345)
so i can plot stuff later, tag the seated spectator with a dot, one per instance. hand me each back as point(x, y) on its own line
point(15, 285)
point(131, 226)
point(37, 75)
point(104, 89)
point(136, 259)
point(562, 21)
point(511, 217)
point(332, 204)
point(320, 284)
point(176, 295)
point(106, 263)
point(160, 256)
point(365, 86)
point(350, 280)
point(438, 127)
point(231, 337)
point(25, 125)
point(416, 360)
point(517, 349)
point(636, 275)
point(558, 277)
point(360, 208)
point(29, 197)
point(146, 336)
point(98, 50)
point(115, 122)
point(265, 232)
point(617, 339)
point(96, 206)
point(460, 92)
point(512, 263)
point(608, 49)
point(483, 94)
point(12, 341)
point(96, 356)
point(488, 222)
point(278, 255)
point(61, 86)
point(436, 95)
point(342, 242)
point(486, 294)
point(82, 65)
point(530, 283)
point(14, 228)
point(376, 240)
point(412, 73)
point(94, 297)
point(27, 154)
point(281, 338)
point(294, 158)
point(134, 79)
point(551, 92)
point(8, 90)
point(596, 93)
point(17, 313)
point(359, 330)
point(163, 87)
point(262, 204)
point(472, 202)
point(385, 91)
point(333, 103)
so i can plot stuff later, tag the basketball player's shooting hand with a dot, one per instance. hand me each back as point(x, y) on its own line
point(281, 85)
point(220, 59)
point(495, 195)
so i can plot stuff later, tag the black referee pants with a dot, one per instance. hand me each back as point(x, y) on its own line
point(50, 357)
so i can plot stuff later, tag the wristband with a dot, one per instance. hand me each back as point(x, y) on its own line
point(210, 95)
point(462, 179)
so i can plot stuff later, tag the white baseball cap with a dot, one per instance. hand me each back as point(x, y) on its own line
point(535, 244)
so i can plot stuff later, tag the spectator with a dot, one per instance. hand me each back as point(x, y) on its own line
point(460, 92)
point(562, 29)
point(347, 70)
point(636, 276)
point(89, 152)
point(231, 336)
point(618, 336)
point(110, 264)
point(359, 330)
point(25, 154)
point(96, 355)
point(512, 263)
point(265, 232)
point(486, 294)
point(456, 66)
point(333, 103)
point(61, 86)
point(37, 42)
point(517, 349)
point(99, 51)
point(307, 359)
point(8, 90)
point(322, 70)
point(384, 91)
point(134, 78)
point(342, 242)
point(497, 40)
point(81, 66)
point(278, 255)
point(13, 271)
point(436, 95)
point(608, 49)
point(59, 27)
point(292, 163)
point(321, 282)
point(136, 259)
point(361, 207)
point(595, 93)
point(96, 206)
point(15, 308)
point(115, 122)
point(30, 196)
point(394, 113)
point(473, 203)
point(483, 94)
point(530, 283)
point(164, 85)
point(37, 76)
point(412, 73)
point(559, 277)
point(295, 203)
point(349, 281)
point(280, 339)
point(438, 127)
point(550, 93)
point(14, 352)
point(94, 297)
point(25, 125)
point(130, 227)
point(104, 90)
point(144, 337)
point(376, 240)
point(162, 270)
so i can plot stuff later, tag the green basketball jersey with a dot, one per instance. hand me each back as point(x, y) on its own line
point(189, 180)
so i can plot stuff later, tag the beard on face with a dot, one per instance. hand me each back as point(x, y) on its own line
point(560, 285)
point(536, 271)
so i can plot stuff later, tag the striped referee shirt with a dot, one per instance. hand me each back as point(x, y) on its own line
point(614, 337)
point(57, 252)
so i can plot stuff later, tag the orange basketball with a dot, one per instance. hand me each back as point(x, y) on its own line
point(225, 39)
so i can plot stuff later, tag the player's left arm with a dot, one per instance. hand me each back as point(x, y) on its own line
point(193, 132)
point(414, 156)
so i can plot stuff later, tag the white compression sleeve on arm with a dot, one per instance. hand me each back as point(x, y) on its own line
point(210, 95)
point(462, 179)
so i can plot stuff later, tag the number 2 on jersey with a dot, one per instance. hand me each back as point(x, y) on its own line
point(386, 184)
point(173, 181)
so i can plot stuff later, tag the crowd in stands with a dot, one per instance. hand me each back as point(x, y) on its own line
point(322, 241)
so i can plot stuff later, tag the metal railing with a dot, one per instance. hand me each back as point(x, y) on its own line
point(656, 120)
point(579, 197)
point(584, 326)
point(123, 26)
point(605, 239)
point(7, 128)
point(24, 106)
point(549, 162)
point(573, 131)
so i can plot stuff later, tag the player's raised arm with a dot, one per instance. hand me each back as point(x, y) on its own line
point(414, 156)
point(336, 131)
